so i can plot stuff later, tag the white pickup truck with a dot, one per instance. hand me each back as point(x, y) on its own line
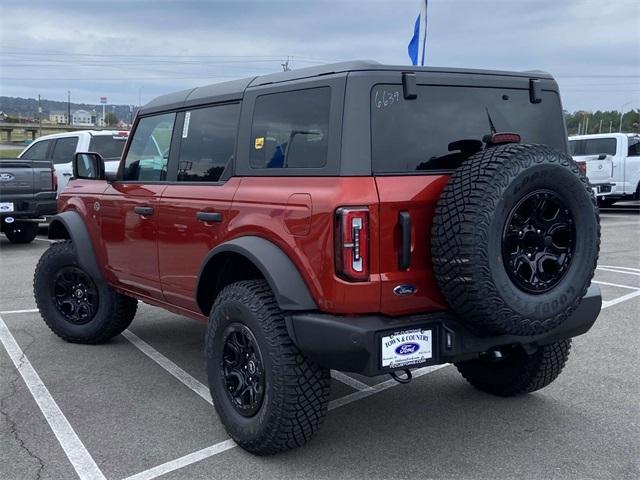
point(61, 147)
point(611, 162)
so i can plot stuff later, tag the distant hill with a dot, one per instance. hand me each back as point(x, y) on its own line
point(28, 107)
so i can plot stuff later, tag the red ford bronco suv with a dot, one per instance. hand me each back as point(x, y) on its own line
point(358, 217)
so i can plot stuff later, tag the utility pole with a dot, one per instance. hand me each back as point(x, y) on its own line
point(621, 115)
point(600, 129)
point(586, 127)
point(39, 117)
point(610, 126)
point(68, 107)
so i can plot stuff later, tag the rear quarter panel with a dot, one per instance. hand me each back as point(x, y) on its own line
point(275, 208)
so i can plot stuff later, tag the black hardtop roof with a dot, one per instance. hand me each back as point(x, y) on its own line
point(233, 90)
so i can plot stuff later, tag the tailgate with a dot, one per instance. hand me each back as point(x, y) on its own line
point(412, 199)
point(598, 170)
point(16, 178)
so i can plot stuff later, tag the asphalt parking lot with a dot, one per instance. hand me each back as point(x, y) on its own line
point(138, 408)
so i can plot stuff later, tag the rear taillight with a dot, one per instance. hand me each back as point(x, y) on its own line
point(583, 167)
point(352, 243)
point(54, 179)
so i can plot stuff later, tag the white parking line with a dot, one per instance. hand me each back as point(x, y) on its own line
point(184, 461)
point(621, 299)
point(380, 387)
point(73, 447)
point(618, 270)
point(30, 310)
point(615, 285)
point(352, 382)
point(169, 366)
point(46, 240)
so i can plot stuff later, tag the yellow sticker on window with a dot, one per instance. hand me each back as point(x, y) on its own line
point(259, 143)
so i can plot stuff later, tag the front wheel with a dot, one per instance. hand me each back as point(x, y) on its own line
point(269, 397)
point(21, 232)
point(513, 371)
point(75, 306)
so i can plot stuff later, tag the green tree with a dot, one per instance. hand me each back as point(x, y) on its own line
point(111, 119)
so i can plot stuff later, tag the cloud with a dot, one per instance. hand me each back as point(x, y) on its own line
point(115, 48)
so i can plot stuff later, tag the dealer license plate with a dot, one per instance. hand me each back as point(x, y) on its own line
point(6, 207)
point(407, 347)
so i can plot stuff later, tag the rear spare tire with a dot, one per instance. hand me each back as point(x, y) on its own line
point(515, 239)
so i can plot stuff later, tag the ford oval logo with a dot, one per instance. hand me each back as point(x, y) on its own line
point(402, 290)
point(6, 177)
point(407, 348)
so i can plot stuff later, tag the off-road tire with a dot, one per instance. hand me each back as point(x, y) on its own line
point(21, 232)
point(518, 372)
point(114, 313)
point(467, 236)
point(296, 389)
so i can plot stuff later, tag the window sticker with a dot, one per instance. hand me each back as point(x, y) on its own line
point(185, 127)
point(259, 143)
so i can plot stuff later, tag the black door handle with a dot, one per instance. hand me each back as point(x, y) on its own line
point(144, 211)
point(209, 216)
point(405, 229)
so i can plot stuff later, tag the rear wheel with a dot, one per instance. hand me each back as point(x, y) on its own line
point(75, 306)
point(515, 239)
point(21, 232)
point(513, 371)
point(269, 397)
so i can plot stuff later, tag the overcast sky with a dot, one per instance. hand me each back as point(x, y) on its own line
point(123, 48)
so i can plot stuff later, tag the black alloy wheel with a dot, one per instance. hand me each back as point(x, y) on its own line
point(242, 370)
point(538, 241)
point(75, 295)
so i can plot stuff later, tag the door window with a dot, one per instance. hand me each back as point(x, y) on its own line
point(37, 151)
point(634, 147)
point(64, 150)
point(291, 129)
point(208, 143)
point(148, 154)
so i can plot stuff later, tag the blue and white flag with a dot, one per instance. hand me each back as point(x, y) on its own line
point(418, 43)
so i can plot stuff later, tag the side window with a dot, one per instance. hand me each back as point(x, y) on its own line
point(290, 129)
point(149, 151)
point(64, 149)
point(634, 147)
point(37, 151)
point(208, 143)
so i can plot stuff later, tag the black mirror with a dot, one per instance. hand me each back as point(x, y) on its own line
point(602, 156)
point(88, 166)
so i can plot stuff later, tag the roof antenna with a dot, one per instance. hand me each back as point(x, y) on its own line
point(285, 65)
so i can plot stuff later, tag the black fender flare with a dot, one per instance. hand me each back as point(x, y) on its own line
point(286, 282)
point(70, 225)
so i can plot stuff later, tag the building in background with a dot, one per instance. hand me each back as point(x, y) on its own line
point(82, 118)
point(58, 117)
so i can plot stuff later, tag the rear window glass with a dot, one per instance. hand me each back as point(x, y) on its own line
point(37, 151)
point(109, 146)
point(208, 143)
point(290, 129)
point(593, 146)
point(444, 125)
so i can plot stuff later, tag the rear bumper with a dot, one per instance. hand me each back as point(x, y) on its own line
point(353, 344)
point(35, 207)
